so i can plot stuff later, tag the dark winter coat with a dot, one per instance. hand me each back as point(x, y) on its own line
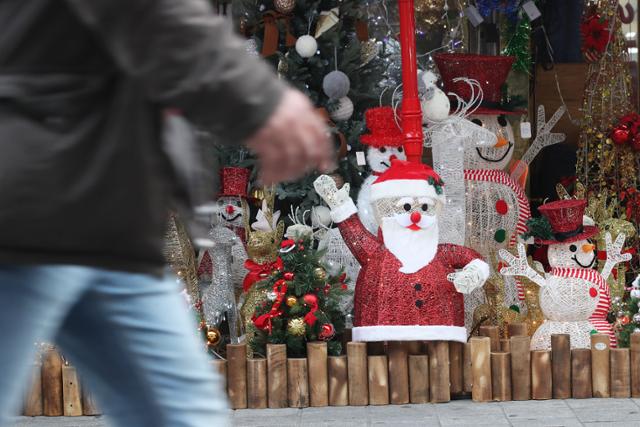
point(84, 178)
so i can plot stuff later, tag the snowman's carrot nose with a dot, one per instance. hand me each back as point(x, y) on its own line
point(588, 247)
point(502, 141)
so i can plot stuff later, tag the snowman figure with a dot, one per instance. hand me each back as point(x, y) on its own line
point(497, 207)
point(574, 297)
point(229, 224)
point(384, 145)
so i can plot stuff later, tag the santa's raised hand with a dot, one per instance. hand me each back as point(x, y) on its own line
point(614, 254)
point(519, 266)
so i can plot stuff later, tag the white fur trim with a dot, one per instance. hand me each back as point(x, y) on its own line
point(410, 333)
point(404, 187)
point(482, 266)
point(344, 211)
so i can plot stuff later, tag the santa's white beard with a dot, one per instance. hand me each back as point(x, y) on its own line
point(413, 248)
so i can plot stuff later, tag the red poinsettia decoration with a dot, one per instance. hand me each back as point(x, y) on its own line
point(595, 35)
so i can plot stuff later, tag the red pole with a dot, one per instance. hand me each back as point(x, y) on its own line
point(411, 110)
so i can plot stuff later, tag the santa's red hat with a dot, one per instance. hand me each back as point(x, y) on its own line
point(383, 127)
point(410, 179)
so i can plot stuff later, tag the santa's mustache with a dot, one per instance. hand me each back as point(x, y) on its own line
point(404, 219)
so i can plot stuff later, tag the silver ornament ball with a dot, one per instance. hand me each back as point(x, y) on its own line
point(284, 6)
point(636, 318)
point(343, 110)
point(306, 46)
point(336, 84)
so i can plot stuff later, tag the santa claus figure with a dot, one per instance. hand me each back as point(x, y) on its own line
point(410, 287)
point(229, 223)
point(384, 144)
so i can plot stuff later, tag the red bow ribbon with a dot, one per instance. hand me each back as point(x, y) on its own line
point(264, 321)
point(312, 301)
point(259, 272)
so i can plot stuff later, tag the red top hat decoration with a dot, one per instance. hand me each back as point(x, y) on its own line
point(384, 132)
point(490, 71)
point(234, 182)
point(566, 219)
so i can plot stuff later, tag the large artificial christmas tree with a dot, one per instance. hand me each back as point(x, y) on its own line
point(322, 48)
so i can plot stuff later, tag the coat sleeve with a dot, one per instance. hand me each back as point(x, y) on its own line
point(457, 256)
point(186, 57)
point(360, 242)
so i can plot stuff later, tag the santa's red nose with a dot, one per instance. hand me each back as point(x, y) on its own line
point(392, 157)
point(416, 217)
point(229, 209)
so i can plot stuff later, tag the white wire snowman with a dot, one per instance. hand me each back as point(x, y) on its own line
point(574, 297)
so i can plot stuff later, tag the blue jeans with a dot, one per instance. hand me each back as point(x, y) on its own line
point(129, 335)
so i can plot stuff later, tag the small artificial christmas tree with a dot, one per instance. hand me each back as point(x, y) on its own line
point(303, 303)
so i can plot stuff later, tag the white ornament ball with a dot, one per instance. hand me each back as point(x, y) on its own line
point(306, 46)
point(636, 318)
point(343, 110)
point(336, 84)
point(320, 215)
point(284, 6)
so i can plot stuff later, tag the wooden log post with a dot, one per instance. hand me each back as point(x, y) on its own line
point(257, 383)
point(398, 372)
point(376, 348)
point(467, 372)
point(277, 375)
point(481, 369)
point(33, 398)
point(518, 330)
point(520, 367)
point(493, 332)
point(620, 373)
point(219, 366)
point(635, 365)
point(561, 366)
point(419, 378)
point(505, 345)
point(416, 347)
point(318, 374)
point(600, 370)
point(378, 374)
point(52, 384)
point(501, 376)
point(237, 375)
point(439, 385)
point(71, 396)
point(541, 376)
point(581, 373)
point(298, 383)
point(358, 374)
point(338, 381)
point(89, 404)
point(456, 362)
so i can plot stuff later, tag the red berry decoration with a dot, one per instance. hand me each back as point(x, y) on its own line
point(327, 331)
point(620, 134)
point(288, 275)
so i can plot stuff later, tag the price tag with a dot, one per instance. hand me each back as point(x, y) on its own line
point(473, 15)
point(531, 10)
point(360, 158)
point(525, 130)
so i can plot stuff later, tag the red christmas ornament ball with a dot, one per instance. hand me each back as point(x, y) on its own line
point(625, 320)
point(635, 143)
point(327, 331)
point(620, 134)
point(288, 275)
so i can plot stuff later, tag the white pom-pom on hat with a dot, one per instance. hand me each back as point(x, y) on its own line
point(306, 46)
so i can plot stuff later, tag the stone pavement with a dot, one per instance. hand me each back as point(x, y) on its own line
point(556, 413)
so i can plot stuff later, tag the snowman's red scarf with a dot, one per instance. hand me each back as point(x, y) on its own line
point(599, 317)
point(524, 212)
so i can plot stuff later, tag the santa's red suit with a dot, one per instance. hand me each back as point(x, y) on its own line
point(404, 290)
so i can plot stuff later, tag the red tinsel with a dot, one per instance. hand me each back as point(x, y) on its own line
point(264, 321)
point(312, 301)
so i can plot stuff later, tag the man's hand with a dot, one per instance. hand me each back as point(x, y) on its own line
point(294, 141)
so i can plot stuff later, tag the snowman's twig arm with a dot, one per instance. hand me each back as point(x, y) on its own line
point(614, 254)
point(519, 266)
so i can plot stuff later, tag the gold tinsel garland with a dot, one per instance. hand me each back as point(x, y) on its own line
point(179, 253)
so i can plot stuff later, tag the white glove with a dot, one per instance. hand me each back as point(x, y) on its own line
point(326, 188)
point(471, 277)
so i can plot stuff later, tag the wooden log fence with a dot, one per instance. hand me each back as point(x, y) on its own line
point(396, 373)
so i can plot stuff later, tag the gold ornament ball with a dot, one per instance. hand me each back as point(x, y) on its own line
point(213, 336)
point(291, 301)
point(296, 326)
point(284, 6)
point(320, 274)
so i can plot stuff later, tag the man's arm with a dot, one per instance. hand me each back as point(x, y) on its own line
point(186, 57)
